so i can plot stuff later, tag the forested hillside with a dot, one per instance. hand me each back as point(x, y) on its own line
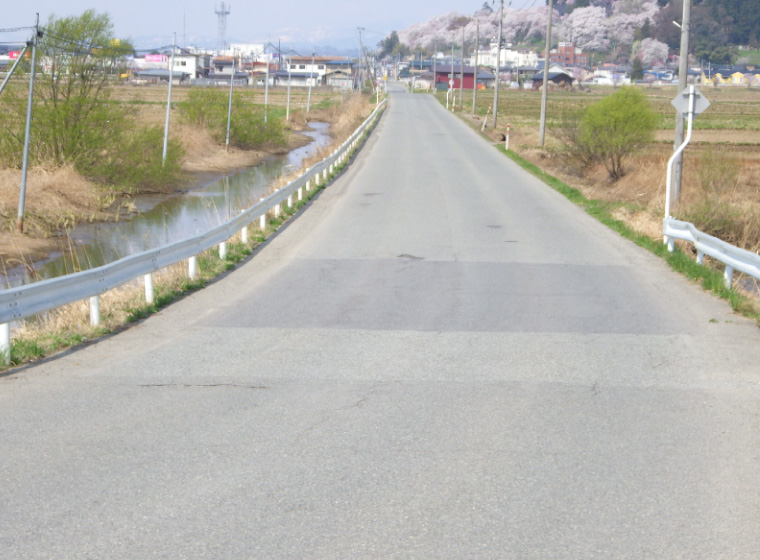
point(614, 30)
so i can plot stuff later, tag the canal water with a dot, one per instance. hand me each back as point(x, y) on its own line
point(161, 221)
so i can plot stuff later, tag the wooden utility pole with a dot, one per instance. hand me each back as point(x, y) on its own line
point(461, 76)
point(683, 74)
point(547, 54)
point(435, 76)
point(498, 60)
point(475, 76)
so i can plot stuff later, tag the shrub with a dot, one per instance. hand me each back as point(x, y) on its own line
point(208, 108)
point(611, 130)
point(137, 162)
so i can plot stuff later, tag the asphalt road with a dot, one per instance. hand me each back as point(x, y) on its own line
point(440, 358)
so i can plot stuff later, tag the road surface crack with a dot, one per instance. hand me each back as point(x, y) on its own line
point(191, 385)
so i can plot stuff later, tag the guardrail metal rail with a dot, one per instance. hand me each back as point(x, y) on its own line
point(733, 257)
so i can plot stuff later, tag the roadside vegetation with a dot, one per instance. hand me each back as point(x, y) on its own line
point(110, 135)
point(249, 130)
point(41, 336)
point(74, 122)
point(721, 173)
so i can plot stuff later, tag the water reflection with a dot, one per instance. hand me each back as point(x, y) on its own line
point(163, 221)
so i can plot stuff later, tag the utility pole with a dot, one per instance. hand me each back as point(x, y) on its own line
point(683, 74)
point(542, 126)
point(498, 60)
point(475, 76)
point(287, 108)
point(435, 76)
point(169, 102)
point(266, 90)
point(451, 73)
point(308, 99)
point(28, 130)
point(366, 60)
point(461, 76)
point(229, 105)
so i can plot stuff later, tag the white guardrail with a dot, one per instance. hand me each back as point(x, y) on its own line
point(31, 299)
point(733, 257)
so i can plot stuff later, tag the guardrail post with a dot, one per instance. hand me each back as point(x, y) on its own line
point(728, 275)
point(95, 311)
point(277, 210)
point(671, 244)
point(192, 267)
point(290, 201)
point(149, 296)
point(5, 344)
point(300, 194)
point(223, 250)
point(700, 257)
point(324, 175)
point(244, 235)
point(308, 185)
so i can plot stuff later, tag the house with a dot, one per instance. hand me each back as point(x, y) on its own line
point(339, 73)
point(190, 63)
point(318, 65)
point(556, 76)
point(260, 69)
point(508, 57)
point(567, 54)
point(443, 73)
point(341, 79)
point(611, 75)
point(294, 79)
point(652, 75)
point(157, 75)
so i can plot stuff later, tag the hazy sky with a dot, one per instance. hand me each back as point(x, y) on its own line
point(298, 22)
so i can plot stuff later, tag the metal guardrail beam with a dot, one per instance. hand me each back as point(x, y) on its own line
point(25, 301)
point(733, 257)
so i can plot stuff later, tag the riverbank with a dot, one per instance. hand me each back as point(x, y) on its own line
point(59, 198)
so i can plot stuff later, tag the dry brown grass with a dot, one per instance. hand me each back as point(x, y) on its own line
point(732, 213)
point(344, 120)
point(54, 198)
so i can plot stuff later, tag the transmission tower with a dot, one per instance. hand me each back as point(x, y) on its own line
point(222, 14)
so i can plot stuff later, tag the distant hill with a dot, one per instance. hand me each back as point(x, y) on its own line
point(614, 29)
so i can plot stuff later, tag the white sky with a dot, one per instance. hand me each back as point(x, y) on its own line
point(298, 22)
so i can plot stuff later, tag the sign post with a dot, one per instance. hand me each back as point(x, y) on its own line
point(691, 103)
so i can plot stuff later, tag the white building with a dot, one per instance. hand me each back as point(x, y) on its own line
point(508, 58)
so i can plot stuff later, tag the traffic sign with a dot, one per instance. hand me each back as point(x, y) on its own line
point(681, 102)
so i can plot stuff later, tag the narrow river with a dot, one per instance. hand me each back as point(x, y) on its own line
point(161, 221)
